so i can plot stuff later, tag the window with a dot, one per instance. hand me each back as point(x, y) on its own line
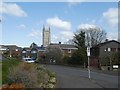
point(33, 52)
point(16, 49)
point(108, 49)
point(69, 51)
point(113, 49)
point(23, 51)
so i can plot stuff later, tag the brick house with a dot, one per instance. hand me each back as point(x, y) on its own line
point(11, 51)
point(67, 49)
point(101, 53)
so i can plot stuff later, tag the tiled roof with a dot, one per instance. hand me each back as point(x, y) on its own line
point(64, 46)
point(41, 48)
point(101, 44)
point(11, 47)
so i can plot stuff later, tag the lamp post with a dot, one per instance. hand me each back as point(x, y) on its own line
point(88, 54)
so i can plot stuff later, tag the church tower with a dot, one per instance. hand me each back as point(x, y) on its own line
point(46, 36)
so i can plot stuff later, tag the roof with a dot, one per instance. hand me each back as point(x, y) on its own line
point(26, 49)
point(64, 46)
point(104, 43)
point(38, 48)
point(11, 47)
point(41, 48)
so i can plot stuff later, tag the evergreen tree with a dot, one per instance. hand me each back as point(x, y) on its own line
point(79, 56)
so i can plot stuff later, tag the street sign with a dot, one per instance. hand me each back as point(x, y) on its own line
point(88, 54)
point(88, 51)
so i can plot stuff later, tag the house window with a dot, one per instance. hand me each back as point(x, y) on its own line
point(16, 49)
point(108, 49)
point(33, 52)
point(23, 51)
point(113, 49)
point(69, 51)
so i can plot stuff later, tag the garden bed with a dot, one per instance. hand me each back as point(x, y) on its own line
point(26, 75)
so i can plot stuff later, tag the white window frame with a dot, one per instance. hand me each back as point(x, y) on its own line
point(23, 51)
point(34, 51)
point(109, 49)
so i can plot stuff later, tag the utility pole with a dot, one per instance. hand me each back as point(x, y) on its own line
point(88, 54)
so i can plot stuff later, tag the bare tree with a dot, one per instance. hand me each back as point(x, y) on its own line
point(54, 53)
point(94, 36)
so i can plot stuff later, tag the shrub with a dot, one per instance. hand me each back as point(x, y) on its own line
point(66, 59)
point(31, 75)
point(42, 74)
point(52, 74)
point(79, 57)
point(24, 73)
point(6, 65)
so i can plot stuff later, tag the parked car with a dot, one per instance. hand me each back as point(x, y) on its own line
point(29, 60)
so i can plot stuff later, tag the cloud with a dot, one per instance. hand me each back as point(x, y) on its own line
point(36, 34)
point(12, 9)
point(57, 22)
point(54, 38)
point(21, 26)
point(74, 2)
point(113, 35)
point(66, 35)
point(86, 26)
point(111, 15)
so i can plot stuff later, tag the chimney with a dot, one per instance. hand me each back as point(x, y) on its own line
point(59, 42)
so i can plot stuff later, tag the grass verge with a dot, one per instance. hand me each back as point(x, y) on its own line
point(6, 65)
point(0, 73)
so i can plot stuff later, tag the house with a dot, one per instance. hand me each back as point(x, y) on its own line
point(67, 49)
point(101, 53)
point(34, 51)
point(11, 50)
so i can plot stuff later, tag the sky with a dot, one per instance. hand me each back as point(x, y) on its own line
point(22, 22)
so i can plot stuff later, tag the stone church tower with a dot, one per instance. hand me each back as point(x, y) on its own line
point(46, 36)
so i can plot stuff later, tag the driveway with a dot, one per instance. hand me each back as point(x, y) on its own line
point(69, 77)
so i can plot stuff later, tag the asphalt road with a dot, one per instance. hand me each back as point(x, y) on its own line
point(69, 77)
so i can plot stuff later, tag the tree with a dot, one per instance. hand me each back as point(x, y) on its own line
point(79, 56)
point(52, 53)
point(79, 40)
point(94, 36)
point(111, 59)
point(115, 58)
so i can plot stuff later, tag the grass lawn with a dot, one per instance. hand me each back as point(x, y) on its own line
point(0, 73)
point(6, 65)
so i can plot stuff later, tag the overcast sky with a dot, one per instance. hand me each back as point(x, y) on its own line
point(22, 22)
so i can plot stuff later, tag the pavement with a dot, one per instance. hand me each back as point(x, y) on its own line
point(68, 77)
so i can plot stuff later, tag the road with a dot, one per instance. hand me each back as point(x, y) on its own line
point(69, 77)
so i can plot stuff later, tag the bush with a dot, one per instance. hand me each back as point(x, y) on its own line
point(29, 74)
point(79, 57)
point(66, 59)
point(43, 75)
point(0, 73)
point(24, 73)
point(6, 65)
